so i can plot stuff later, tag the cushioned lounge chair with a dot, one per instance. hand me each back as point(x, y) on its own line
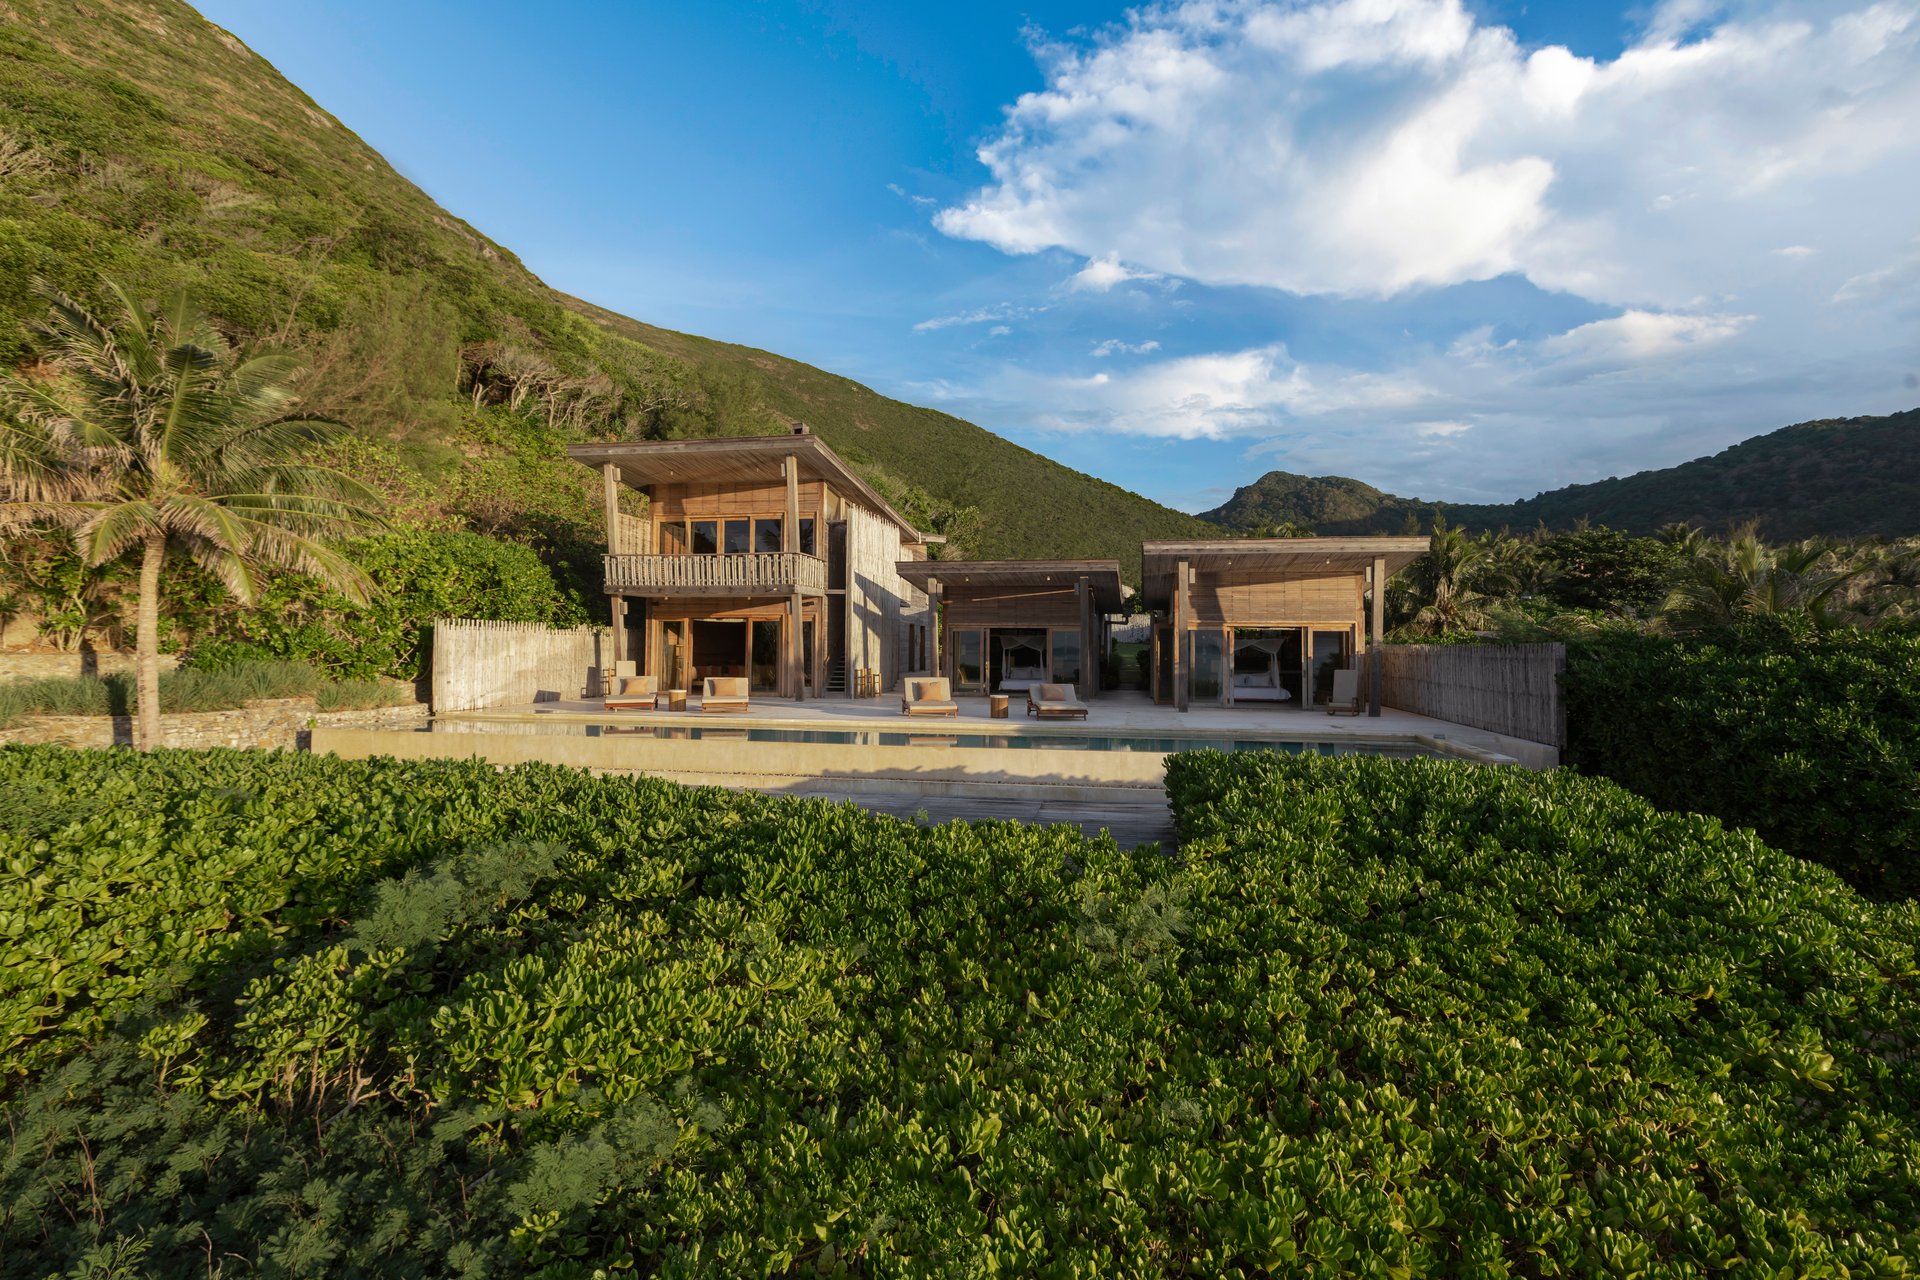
point(637, 693)
point(1055, 702)
point(927, 696)
point(723, 693)
point(1346, 694)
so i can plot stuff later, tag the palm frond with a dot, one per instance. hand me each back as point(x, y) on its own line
point(110, 529)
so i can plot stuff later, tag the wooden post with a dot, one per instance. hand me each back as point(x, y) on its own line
point(619, 611)
point(936, 634)
point(796, 672)
point(610, 486)
point(1089, 659)
point(790, 533)
point(1376, 677)
point(1180, 607)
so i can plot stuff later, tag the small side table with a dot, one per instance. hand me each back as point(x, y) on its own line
point(997, 706)
point(676, 699)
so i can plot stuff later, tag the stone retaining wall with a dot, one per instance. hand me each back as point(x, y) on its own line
point(41, 664)
point(283, 722)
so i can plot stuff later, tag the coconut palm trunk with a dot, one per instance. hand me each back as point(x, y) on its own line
point(147, 735)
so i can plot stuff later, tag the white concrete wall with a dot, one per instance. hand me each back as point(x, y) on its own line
point(494, 664)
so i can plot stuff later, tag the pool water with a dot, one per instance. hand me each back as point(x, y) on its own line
point(963, 741)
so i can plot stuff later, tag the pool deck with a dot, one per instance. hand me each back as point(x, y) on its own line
point(1123, 712)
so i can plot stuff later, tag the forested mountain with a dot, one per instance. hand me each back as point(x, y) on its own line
point(140, 142)
point(1844, 478)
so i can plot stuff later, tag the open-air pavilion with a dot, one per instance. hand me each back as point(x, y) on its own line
point(1266, 622)
point(1009, 625)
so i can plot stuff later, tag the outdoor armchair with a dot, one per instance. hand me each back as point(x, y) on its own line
point(637, 693)
point(723, 693)
point(927, 696)
point(1346, 694)
point(1055, 702)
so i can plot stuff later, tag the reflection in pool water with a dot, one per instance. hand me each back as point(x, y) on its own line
point(963, 741)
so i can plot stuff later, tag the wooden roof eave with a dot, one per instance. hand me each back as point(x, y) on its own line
point(1103, 576)
point(644, 463)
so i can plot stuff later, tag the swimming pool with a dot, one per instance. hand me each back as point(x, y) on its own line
point(1132, 742)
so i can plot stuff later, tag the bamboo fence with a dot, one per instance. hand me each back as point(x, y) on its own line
point(1510, 689)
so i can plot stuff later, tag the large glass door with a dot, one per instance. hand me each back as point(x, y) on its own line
point(969, 671)
point(1329, 654)
point(1207, 662)
point(764, 670)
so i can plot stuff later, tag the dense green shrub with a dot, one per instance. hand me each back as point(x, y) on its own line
point(1811, 739)
point(1380, 1017)
point(188, 689)
point(418, 576)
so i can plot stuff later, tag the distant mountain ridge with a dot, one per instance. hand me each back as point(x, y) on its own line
point(1836, 477)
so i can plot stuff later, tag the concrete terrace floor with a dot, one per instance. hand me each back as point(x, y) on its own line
point(1123, 711)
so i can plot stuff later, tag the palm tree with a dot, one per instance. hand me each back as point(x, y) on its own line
point(1441, 589)
point(153, 435)
point(1743, 577)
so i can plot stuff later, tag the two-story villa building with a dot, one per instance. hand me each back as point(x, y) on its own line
point(765, 557)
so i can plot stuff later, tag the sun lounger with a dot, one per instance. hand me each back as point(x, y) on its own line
point(723, 693)
point(637, 693)
point(1346, 694)
point(1055, 702)
point(927, 696)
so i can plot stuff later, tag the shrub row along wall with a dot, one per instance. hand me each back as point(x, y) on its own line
point(1511, 689)
point(1814, 741)
point(496, 664)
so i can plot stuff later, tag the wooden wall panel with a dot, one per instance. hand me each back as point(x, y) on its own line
point(667, 610)
point(718, 502)
point(1288, 601)
point(1011, 606)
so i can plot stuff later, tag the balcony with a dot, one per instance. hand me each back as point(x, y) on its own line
point(758, 573)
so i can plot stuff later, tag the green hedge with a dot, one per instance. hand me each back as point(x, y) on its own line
point(1812, 740)
point(1379, 1017)
point(224, 688)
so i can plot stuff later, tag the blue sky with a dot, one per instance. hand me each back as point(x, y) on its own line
point(1458, 252)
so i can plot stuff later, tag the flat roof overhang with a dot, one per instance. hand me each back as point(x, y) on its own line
point(736, 460)
point(1275, 558)
point(1103, 576)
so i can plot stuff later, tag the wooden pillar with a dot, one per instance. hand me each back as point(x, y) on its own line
point(790, 532)
point(619, 611)
point(610, 493)
point(1181, 606)
point(1376, 678)
point(796, 657)
point(936, 632)
point(1089, 657)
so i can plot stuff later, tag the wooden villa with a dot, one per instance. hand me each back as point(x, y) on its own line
point(762, 557)
point(1265, 621)
point(1009, 625)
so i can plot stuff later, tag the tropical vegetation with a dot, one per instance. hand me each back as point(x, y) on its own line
point(298, 1015)
point(152, 436)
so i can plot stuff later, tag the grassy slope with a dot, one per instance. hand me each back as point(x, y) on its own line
point(1845, 478)
point(138, 141)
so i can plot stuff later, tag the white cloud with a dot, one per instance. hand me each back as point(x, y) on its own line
point(922, 201)
point(1101, 274)
point(979, 315)
point(1642, 335)
point(1442, 430)
point(1112, 346)
point(1796, 251)
point(1896, 277)
point(999, 331)
point(1366, 147)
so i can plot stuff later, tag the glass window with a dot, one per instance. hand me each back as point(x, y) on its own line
point(1209, 666)
point(766, 535)
point(706, 534)
point(968, 674)
point(673, 539)
point(806, 535)
point(739, 538)
point(1066, 656)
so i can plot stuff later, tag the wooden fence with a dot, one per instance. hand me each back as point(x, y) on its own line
point(497, 664)
point(1510, 689)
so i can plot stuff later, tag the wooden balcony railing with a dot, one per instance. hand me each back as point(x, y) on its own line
point(753, 573)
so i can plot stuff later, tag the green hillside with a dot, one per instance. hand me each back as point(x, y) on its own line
point(1842, 478)
point(138, 141)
